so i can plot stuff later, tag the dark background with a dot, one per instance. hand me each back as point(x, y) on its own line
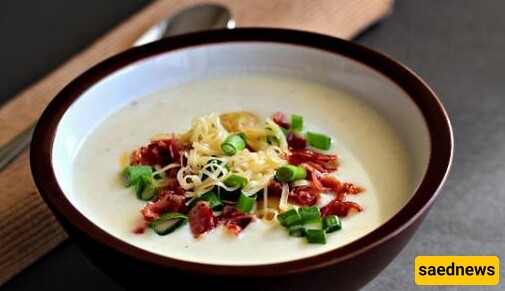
point(457, 46)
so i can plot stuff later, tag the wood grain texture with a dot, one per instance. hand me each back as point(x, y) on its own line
point(28, 230)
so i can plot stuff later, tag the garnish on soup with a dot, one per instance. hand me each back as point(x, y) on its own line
point(229, 170)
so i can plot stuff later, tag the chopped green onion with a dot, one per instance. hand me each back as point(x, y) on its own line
point(132, 173)
point(331, 223)
point(226, 195)
point(309, 214)
point(284, 131)
point(145, 188)
point(290, 173)
point(211, 197)
point(316, 224)
point(242, 135)
point(318, 140)
point(316, 236)
point(296, 122)
point(297, 231)
point(236, 181)
point(233, 144)
point(168, 222)
point(245, 203)
point(289, 218)
point(213, 163)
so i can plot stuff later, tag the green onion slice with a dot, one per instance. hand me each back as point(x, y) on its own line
point(168, 222)
point(290, 173)
point(242, 135)
point(233, 144)
point(132, 173)
point(316, 236)
point(236, 181)
point(318, 140)
point(214, 202)
point(309, 214)
point(245, 203)
point(331, 223)
point(145, 188)
point(297, 231)
point(289, 218)
point(296, 123)
point(212, 166)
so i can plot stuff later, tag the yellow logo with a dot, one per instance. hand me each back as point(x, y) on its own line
point(457, 270)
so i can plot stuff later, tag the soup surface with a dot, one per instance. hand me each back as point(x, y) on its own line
point(371, 155)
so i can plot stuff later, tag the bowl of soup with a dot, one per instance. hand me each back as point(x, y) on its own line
point(249, 158)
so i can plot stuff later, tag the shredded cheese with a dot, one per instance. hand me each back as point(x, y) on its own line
point(204, 139)
point(283, 202)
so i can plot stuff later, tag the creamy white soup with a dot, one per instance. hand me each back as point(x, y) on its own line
point(371, 156)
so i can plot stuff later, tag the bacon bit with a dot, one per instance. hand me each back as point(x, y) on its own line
point(139, 230)
point(313, 176)
point(167, 201)
point(275, 188)
point(330, 181)
point(349, 188)
point(172, 184)
point(315, 166)
point(142, 228)
point(308, 195)
point(329, 163)
point(304, 195)
point(340, 208)
point(321, 183)
point(280, 119)
point(296, 142)
point(234, 220)
point(157, 153)
point(172, 173)
point(335, 186)
point(201, 219)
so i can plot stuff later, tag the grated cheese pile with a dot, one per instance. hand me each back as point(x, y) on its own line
point(257, 163)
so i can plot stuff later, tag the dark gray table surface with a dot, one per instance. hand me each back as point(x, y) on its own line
point(457, 46)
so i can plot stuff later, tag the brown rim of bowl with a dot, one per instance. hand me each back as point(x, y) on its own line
point(426, 100)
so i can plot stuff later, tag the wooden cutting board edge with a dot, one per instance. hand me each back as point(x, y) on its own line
point(28, 230)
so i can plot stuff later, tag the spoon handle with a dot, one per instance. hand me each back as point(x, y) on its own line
point(15, 146)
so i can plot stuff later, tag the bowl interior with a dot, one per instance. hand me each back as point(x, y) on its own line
point(152, 74)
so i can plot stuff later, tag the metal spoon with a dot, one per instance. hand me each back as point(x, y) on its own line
point(191, 19)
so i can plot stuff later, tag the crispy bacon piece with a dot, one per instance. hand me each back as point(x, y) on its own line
point(308, 195)
point(296, 142)
point(167, 201)
point(340, 208)
point(280, 119)
point(324, 183)
point(173, 184)
point(313, 173)
point(202, 219)
point(335, 186)
point(234, 220)
point(328, 163)
point(304, 195)
point(157, 153)
point(275, 188)
point(142, 228)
